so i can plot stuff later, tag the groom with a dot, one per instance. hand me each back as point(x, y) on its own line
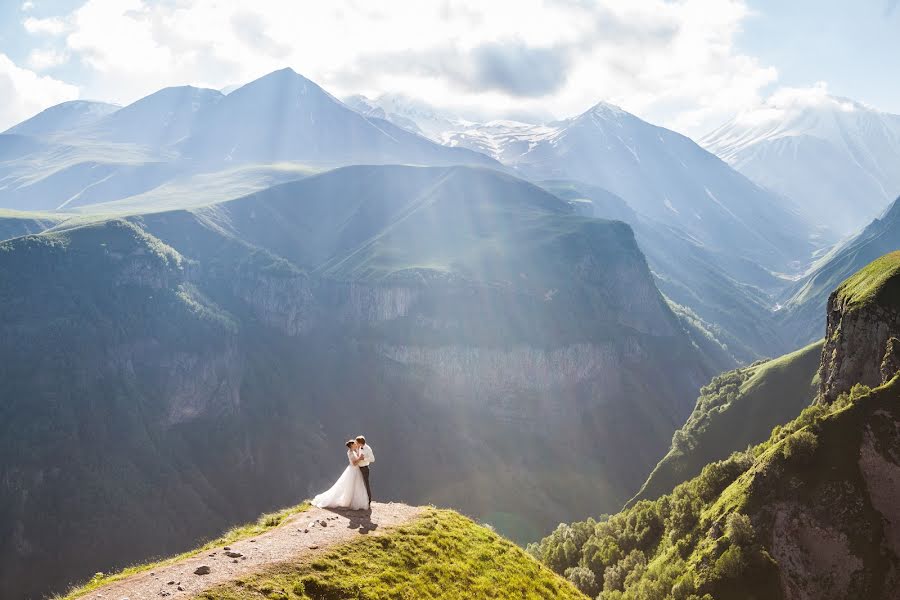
point(368, 457)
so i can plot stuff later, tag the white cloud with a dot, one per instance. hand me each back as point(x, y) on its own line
point(42, 59)
point(48, 26)
point(788, 105)
point(27, 5)
point(26, 93)
point(672, 61)
point(808, 97)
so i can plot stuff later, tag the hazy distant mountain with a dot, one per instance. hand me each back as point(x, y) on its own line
point(368, 108)
point(804, 311)
point(198, 354)
point(160, 119)
point(79, 154)
point(284, 116)
point(837, 159)
point(660, 174)
point(63, 118)
point(410, 113)
point(736, 313)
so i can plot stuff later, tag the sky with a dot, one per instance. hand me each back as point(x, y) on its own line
point(685, 64)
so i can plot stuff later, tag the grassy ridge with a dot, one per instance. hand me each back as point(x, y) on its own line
point(736, 409)
point(880, 277)
point(441, 555)
point(264, 523)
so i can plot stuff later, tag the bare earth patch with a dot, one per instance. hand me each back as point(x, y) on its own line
point(306, 534)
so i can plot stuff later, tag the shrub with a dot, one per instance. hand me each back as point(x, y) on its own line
point(614, 576)
point(583, 579)
point(800, 446)
point(739, 529)
point(685, 587)
point(731, 564)
point(601, 552)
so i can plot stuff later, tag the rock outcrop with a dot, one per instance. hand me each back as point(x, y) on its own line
point(863, 320)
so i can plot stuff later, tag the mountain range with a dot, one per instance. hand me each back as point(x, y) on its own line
point(205, 293)
point(839, 160)
point(91, 153)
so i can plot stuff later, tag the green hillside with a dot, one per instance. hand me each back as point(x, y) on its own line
point(876, 282)
point(754, 525)
point(735, 410)
point(15, 223)
point(441, 555)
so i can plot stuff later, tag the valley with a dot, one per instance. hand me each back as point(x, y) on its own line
point(685, 350)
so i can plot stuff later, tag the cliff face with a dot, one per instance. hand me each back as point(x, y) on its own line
point(863, 324)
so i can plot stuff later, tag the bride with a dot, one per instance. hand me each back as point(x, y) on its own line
point(349, 491)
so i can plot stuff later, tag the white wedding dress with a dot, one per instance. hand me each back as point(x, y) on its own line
point(349, 491)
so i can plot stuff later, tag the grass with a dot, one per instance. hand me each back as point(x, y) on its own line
point(878, 277)
point(441, 555)
point(737, 409)
point(264, 523)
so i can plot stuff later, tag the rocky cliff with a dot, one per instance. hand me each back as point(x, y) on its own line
point(862, 331)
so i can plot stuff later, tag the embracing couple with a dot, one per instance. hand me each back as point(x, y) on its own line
point(351, 490)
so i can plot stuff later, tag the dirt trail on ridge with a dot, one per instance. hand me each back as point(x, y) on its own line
point(299, 537)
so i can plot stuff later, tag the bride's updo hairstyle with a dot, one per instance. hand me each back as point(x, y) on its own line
point(350, 443)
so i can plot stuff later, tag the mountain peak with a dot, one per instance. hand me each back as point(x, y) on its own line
point(892, 214)
point(606, 108)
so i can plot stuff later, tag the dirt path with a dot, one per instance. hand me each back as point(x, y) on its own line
point(301, 536)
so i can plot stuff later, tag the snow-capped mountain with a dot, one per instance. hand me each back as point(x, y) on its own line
point(411, 114)
point(839, 160)
point(661, 174)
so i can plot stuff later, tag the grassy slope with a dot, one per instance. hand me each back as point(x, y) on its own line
point(714, 534)
point(441, 555)
point(264, 523)
point(736, 409)
point(877, 280)
point(202, 189)
point(17, 223)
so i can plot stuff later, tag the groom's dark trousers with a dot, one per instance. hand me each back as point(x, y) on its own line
point(365, 474)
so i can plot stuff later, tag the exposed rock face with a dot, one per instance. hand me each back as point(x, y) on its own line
point(815, 560)
point(860, 344)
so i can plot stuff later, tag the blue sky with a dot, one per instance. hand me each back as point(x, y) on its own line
point(852, 46)
point(685, 64)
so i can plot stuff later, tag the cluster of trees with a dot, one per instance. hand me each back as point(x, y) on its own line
point(695, 543)
point(649, 550)
point(721, 391)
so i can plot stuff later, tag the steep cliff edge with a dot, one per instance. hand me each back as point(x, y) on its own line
point(863, 328)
